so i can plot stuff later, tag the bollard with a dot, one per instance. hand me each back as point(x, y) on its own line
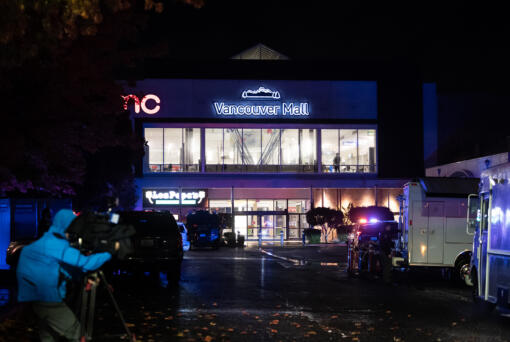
point(281, 237)
point(260, 239)
point(303, 235)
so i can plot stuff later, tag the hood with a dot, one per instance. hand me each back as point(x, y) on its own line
point(62, 220)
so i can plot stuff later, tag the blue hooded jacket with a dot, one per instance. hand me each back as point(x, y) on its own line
point(41, 270)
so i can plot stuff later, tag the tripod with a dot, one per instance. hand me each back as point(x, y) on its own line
point(88, 303)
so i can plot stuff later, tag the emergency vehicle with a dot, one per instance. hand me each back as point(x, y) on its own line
point(490, 263)
point(433, 225)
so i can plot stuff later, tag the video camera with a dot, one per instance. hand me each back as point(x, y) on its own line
point(93, 232)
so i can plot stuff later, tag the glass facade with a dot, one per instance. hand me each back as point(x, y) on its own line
point(173, 149)
point(287, 216)
point(349, 150)
point(256, 149)
point(261, 150)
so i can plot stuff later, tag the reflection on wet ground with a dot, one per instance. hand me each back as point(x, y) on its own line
point(289, 295)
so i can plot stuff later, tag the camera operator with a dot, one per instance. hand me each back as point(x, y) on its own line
point(43, 269)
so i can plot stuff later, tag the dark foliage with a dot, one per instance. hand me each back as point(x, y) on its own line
point(321, 216)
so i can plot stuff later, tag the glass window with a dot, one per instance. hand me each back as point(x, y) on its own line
point(280, 205)
point(191, 149)
point(297, 206)
point(214, 149)
point(251, 146)
point(270, 158)
point(240, 205)
point(220, 206)
point(366, 150)
point(329, 148)
point(154, 137)
point(290, 147)
point(232, 144)
point(307, 149)
point(174, 147)
point(348, 150)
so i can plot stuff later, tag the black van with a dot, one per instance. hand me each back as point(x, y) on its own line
point(157, 243)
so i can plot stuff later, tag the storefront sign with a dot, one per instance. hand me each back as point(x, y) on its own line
point(143, 103)
point(261, 109)
point(169, 197)
point(241, 99)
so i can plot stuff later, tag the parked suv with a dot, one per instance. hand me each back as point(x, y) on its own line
point(157, 243)
point(203, 229)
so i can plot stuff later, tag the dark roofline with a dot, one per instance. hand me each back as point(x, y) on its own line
point(274, 69)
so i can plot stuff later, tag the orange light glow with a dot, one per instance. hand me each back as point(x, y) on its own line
point(362, 220)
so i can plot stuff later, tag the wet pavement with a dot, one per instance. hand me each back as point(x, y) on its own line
point(285, 294)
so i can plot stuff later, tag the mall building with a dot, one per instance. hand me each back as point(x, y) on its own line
point(266, 138)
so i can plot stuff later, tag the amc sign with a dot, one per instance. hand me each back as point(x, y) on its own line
point(149, 104)
point(172, 197)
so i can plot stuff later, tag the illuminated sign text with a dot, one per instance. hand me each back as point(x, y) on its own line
point(172, 197)
point(143, 103)
point(262, 109)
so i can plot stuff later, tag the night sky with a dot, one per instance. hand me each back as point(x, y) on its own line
point(455, 43)
point(463, 48)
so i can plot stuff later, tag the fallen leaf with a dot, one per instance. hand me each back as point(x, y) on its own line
point(274, 331)
point(212, 324)
point(208, 338)
point(257, 317)
point(396, 339)
point(388, 312)
point(230, 329)
point(355, 339)
point(169, 318)
point(130, 325)
point(215, 304)
point(357, 324)
point(276, 315)
point(409, 316)
point(243, 332)
point(454, 324)
point(274, 322)
point(311, 332)
point(180, 334)
point(334, 317)
point(370, 328)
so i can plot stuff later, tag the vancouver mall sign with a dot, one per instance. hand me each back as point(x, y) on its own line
point(262, 109)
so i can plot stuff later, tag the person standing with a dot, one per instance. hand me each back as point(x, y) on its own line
point(386, 245)
point(44, 268)
point(336, 162)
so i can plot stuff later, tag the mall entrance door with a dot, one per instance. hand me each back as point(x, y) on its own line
point(269, 224)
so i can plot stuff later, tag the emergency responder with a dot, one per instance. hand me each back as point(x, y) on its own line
point(385, 246)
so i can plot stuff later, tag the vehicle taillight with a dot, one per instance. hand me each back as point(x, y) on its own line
point(362, 220)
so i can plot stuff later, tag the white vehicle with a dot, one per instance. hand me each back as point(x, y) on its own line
point(433, 224)
point(184, 234)
point(490, 263)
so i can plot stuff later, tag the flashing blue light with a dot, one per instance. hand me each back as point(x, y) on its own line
point(374, 220)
